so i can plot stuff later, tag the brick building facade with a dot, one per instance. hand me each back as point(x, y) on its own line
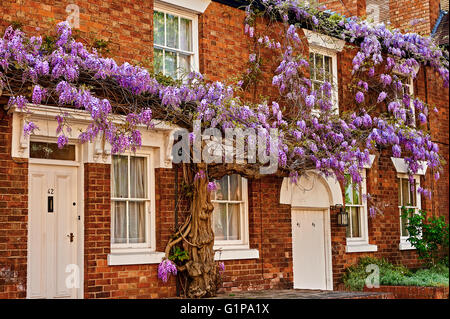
point(263, 258)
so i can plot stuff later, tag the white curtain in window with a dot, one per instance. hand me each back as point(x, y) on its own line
point(120, 176)
point(120, 216)
point(220, 221)
point(136, 230)
point(186, 34)
point(234, 225)
point(137, 177)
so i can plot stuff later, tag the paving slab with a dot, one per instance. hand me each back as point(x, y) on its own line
point(302, 294)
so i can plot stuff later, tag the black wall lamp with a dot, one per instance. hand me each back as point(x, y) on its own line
point(342, 216)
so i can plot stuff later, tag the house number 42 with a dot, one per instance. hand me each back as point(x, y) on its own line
point(50, 191)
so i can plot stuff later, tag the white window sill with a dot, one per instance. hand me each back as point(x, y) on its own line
point(359, 248)
point(140, 258)
point(235, 254)
point(135, 258)
point(405, 245)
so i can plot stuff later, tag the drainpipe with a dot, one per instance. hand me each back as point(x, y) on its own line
point(176, 219)
point(433, 206)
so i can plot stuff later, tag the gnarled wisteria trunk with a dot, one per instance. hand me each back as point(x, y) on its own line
point(198, 236)
point(201, 267)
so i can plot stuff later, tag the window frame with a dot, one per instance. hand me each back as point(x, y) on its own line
point(404, 243)
point(168, 9)
point(42, 139)
point(410, 85)
point(362, 210)
point(150, 236)
point(334, 69)
point(242, 243)
point(361, 244)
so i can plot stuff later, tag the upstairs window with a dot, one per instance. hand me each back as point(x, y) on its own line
point(323, 68)
point(407, 89)
point(320, 69)
point(175, 42)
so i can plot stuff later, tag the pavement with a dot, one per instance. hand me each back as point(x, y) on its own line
point(302, 294)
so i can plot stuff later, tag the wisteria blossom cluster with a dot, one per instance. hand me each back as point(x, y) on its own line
point(332, 142)
point(165, 269)
point(311, 133)
point(221, 267)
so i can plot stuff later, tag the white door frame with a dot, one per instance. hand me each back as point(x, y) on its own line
point(327, 241)
point(79, 233)
point(315, 192)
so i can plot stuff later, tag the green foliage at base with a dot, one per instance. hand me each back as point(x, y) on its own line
point(179, 256)
point(429, 235)
point(395, 275)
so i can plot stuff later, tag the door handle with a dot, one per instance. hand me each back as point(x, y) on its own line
point(71, 237)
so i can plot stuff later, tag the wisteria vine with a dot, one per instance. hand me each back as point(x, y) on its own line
point(312, 135)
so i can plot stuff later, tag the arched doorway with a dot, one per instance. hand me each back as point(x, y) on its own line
point(310, 201)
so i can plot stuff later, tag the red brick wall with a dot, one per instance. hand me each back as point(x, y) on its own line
point(127, 281)
point(270, 233)
point(430, 89)
point(126, 24)
point(348, 8)
point(411, 292)
point(224, 48)
point(426, 11)
point(13, 215)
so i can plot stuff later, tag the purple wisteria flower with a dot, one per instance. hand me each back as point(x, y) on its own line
point(359, 97)
point(221, 267)
point(381, 97)
point(372, 212)
point(29, 128)
point(200, 175)
point(251, 32)
point(39, 93)
point(310, 100)
point(19, 101)
point(385, 79)
point(422, 118)
point(62, 141)
point(212, 186)
point(165, 269)
point(396, 151)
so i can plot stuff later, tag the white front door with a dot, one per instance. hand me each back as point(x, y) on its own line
point(52, 244)
point(310, 249)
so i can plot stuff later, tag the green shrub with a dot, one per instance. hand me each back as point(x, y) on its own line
point(395, 275)
point(430, 236)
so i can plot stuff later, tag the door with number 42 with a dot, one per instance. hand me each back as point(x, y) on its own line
point(52, 244)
